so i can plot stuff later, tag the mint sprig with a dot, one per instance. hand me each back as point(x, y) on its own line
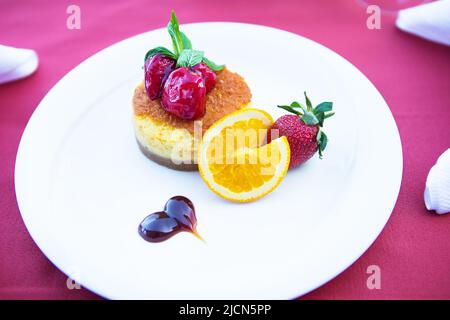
point(161, 50)
point(182, 48)
point(189, 58)
point(186, 43)
point(212, 65)
point(174, 30)
point(313, 116)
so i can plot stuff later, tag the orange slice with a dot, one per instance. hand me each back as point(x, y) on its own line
point(234, 160)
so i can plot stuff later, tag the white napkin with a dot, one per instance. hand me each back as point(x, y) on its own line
point(437, 189)
point(430, 21)
point(16, 63)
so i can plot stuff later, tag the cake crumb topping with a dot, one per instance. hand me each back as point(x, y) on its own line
point(230, 93)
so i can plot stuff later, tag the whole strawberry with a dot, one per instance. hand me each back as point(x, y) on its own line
point(303, 129)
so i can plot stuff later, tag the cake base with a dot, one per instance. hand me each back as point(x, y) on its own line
point(166, 162)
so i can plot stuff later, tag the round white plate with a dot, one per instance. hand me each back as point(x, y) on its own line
point(83, 186)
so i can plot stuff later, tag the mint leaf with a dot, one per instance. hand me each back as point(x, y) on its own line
point(189, 58)
point(182, 47)
point(174, 31)
point(187, 44)
point(160, 50)
point(212, 65)
point(324, 107)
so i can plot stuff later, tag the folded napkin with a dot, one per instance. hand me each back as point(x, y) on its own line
point(430, 21)
point(16, 63)
point(437, 189)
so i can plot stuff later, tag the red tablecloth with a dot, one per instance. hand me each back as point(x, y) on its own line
point(413, 251)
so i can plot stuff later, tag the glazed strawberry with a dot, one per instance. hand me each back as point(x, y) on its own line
point(157, 69)
point(183, 90)
point(208, 76)
point(184, 94)
point(303, 130)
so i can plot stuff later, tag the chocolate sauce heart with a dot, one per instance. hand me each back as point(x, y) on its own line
point(158, 227)
point(178, 215)
point(182, 209)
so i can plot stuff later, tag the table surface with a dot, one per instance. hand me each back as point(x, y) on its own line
point(413, 75)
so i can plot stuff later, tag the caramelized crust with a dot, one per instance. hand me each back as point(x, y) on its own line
point(230, 93)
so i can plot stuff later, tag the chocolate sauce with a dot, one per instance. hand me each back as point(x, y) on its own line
point(178, 215)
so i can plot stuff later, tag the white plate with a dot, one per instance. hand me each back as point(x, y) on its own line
point(83, 186)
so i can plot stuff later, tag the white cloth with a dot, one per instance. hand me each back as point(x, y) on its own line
point(16, 63)
point(430, 21)
point(437, 189)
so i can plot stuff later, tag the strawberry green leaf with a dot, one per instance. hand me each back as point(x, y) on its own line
point(212, 65)
point(327, 115)
point(319, 134)
point(313, 117)
point(296, 104)
point(189, 58)
point(323, 107)
point(290, 109)
point(308, 103)
point(322, 141)
point(309, 118)
point(321, 117)
point(174, 31)
point(160, 50)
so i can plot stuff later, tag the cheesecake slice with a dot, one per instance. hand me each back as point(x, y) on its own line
point(171, 141)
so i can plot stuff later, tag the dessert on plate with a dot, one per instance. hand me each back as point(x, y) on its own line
point(183, 94)
point(191, 114)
